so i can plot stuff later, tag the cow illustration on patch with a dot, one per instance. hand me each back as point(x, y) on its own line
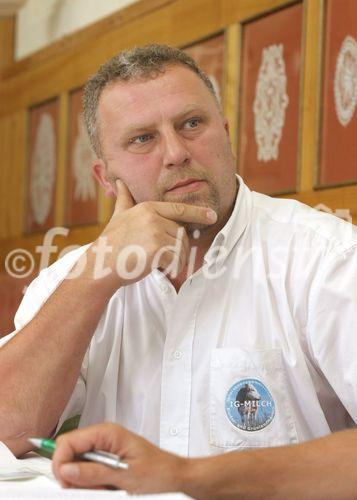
point(249, 405)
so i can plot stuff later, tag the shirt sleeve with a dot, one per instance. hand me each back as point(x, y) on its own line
point(332, 326)
point(36, 295)
point(44, 285)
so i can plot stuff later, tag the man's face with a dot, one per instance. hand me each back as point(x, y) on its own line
point(166, 139)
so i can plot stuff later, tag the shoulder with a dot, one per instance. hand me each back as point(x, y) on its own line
point(45, 284)
point(292, 219)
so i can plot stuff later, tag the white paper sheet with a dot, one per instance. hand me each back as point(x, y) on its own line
point(31, 465)
point(43, 488)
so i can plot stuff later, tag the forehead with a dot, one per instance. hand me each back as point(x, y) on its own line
point(172, 91)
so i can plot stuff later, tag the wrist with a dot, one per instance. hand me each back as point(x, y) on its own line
point(181, 473)
point(195, 478)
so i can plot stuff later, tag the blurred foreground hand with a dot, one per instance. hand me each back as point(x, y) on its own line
point(151, 470)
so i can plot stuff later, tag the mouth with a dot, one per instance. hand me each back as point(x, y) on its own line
point(187, 186)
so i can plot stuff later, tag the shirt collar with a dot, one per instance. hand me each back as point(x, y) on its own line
point(229, 235)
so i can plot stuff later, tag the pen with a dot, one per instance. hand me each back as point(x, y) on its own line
point(98, 456)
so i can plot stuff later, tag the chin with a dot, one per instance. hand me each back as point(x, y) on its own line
point(198, 199)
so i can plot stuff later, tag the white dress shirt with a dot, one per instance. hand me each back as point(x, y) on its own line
point(279, 319)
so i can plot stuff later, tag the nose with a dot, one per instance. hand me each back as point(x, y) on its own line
point(175, 151)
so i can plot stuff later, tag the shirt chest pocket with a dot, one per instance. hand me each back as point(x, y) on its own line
point(250, 402)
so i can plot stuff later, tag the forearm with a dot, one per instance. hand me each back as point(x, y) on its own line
point(322, 469)
point(40, 365)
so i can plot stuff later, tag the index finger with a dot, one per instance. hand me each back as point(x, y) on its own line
point(72, 444)
point(182, 212)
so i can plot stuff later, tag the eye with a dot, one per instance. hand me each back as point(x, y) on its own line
point(140, 139)
point(192, 123)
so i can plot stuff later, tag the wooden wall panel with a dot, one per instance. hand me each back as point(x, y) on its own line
point(42, 166)
point(184, 23)
point(81, 189)
point(12, 173)
point(269, 128)
point(56, 70)
point(337, 163)
point(311, 88)
point(231, 84)
point(7, 38)
point(62, 159)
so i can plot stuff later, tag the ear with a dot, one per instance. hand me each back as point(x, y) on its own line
point(100, 172)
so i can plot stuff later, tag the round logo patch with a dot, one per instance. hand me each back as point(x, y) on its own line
point(249, 405)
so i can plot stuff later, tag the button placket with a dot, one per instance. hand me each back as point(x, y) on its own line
point(177, 371)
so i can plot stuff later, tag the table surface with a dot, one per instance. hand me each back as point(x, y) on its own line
point(43, 488)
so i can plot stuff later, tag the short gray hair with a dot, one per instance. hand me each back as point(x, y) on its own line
point(134, 64)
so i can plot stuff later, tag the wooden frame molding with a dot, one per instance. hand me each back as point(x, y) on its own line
point(66, 65)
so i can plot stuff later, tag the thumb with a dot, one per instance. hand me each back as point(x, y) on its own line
point(124, 199)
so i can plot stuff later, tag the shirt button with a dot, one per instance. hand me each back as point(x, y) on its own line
point(165, 288)
point(173, 431)
point(177, 354)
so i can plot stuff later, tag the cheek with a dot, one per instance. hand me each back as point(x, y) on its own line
point(213, 147)
point(140, 174)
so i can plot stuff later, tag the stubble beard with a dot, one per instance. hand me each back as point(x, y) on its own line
point(209, 200)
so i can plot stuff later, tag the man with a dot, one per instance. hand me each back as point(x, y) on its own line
point(206, 318)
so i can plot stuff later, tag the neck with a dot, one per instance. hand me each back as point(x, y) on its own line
point(198, 249)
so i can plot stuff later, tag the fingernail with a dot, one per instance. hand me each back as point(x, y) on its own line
point(69, 471)
point(211, 215)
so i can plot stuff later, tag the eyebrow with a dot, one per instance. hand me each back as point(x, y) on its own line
point(143, 127)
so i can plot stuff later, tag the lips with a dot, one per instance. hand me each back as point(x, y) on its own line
point(186, 182)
